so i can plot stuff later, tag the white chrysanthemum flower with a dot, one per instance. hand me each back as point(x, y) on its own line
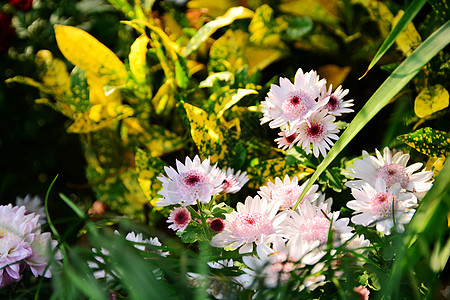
point(275, 265)
point(318, 131)
point(195, 180)
point(286, 193)
point(293, 102)
point(313, 223)
point(252, 222)
point(382, 207)
point(180, 217)
point(33, 205)
point(392, 169)
point(138, 238)
point(233, 182)
point(287, 140)
point(336, 105)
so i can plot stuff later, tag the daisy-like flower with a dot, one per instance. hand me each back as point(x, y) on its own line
point(313, 222)
point(336, 105)
point(180, 217)
point(233, 182)
point(195, 180)
point(382, 206)
point(287, 140)
point(252, 222)
point(275, 265)
point(287, 192)
point(392, 169)
point(293, 102)
point(318, 131)
point(22, 245)
point(137, 238)
point(33, 205)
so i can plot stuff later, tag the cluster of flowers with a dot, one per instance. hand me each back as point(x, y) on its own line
point(22, 244)
point(305, 112)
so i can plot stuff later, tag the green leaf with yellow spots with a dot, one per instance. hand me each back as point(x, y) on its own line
point(207, 30)
point(86, 52)
point(100, 116)
point(431, 142)
point(228, 52)
point(53, 73)
point(225, 98)
point(157, 139)
point(260, 173)
point(148, 169)
point(263, 29)
point(431, 100)
point(79, 101)
point(206, 134)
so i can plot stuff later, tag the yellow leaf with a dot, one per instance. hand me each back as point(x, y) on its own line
point(409, 39)
point(222, 106)
point(435, 164)
point(213, 8)
point(86, 52)
point(53, 73)
point(431, 100)
point(138, 59)
point(98, 94)
point(334, 74)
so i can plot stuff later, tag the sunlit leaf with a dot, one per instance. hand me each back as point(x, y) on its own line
point(431, 100)
point(259, 57)
point(138, 59)
point(53, 73)
point(263, 29)
point(225, 103)
point(86, 52)
point(428, 141)
point(220, 76)
point(148, 168)
point(260, 173)
point(207, 30)
point(213, 8)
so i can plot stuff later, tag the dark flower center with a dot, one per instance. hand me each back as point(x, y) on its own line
point(217, 225)
point(181, 217)
point(192, 179)
point(333, 103)
point(291, 138)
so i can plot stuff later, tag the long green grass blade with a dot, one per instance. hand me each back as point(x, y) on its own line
point(409, 14)
point(398, 79)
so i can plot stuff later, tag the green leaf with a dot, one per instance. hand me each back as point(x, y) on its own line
point(207, 30)
point(431, 100)
point(297, 27)
point(149, 168)
point(79, 101)
point(220, 76)
point(314, 9)
point(428, 141)
point(398, 79)
point(412, 10)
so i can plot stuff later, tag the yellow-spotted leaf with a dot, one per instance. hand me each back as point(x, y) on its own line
point(434, 143)
point(155, 138)
point(409, 39)
point(435, 164)
point(53, 73)
point(228, 52)
point(100, 116)
point(314, 9)
point(230, 98)
point(264, 171)
point(431, 100)
point(86, 52)
point(138, 59)
point(149, 168)
point(206, 133)
point(207, 30)
point(334, 74)
point(79, 101)
point(263, 29)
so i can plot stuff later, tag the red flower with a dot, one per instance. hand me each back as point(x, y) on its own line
point(23, 5)
point(7, 33)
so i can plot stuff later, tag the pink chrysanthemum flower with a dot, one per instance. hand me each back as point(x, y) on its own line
point(33, 205)
point(233, 182)
point(195, 180)
point(287, 140)
point(318, 131)
point(22, 244)
point(293, 102)
point(180, 217)
point(251, 223)
point(217, 225)
point(392, 169)
point(286, 193)
point(382, 206)
point(362, 292)
point(313, 222)
point(336, 105)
